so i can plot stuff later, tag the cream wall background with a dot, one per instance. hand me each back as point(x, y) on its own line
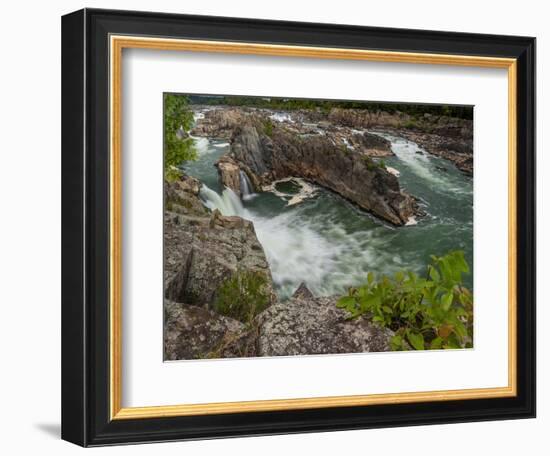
point(30, 193)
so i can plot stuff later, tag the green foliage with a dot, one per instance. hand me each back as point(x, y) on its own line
point(369, 162)
point(172, 173)
point(243, 296)
point(178, 119)
point(268, 127)
point(410, 124)
point(425, 313)
point(382, 164)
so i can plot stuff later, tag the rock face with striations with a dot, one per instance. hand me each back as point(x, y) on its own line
point(316, 158)
point(229, 174)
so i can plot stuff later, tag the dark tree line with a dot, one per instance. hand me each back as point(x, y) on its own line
point(416, 110)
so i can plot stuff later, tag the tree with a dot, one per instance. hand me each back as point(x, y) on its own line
point(178, 146)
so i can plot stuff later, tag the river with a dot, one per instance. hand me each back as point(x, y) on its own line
point(329, 243)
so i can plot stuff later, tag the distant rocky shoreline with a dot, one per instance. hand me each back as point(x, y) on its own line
point(450, 138)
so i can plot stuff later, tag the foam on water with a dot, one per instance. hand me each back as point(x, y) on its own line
point(281, 117)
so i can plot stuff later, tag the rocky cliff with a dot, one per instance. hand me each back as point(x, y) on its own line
point(202, 249)
point(268, 156)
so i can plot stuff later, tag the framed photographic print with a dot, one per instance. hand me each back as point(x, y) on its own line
point(277, 227)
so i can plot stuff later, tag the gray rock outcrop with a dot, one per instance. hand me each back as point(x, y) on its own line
point(317, 159)
point(202, 248)
point(306, 326)
point(192, 332)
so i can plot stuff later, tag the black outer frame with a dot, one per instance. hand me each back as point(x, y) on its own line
point(85, 227)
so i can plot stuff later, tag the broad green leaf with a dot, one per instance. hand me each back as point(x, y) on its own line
point(434, 274)
point(447, 300)
point(346, 302)
point(436, 343)
point(416, 340)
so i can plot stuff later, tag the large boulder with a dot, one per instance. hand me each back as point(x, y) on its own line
point(356, 177)
point(229, 174)
point(371, 145)
point(201, 254)
point(304, 325)
point(220, 122)
point(181, 196)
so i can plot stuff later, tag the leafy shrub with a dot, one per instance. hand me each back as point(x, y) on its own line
point(369, 162)
point(177, 149)
point(268, 127)
point(243, 296)
point(426, 313)
point(411, 124)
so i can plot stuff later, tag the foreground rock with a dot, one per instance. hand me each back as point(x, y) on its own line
point(202, 249)
point(192, 332)
point(279, 154)
point(308, 326)
point(303, 325)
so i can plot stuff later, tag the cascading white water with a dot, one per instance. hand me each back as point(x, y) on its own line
point(293, 250)
point(281, 117)
point(228, 203)
point(246, 186)
point(201, 144)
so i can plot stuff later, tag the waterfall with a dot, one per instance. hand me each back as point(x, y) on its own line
point(246, 186)
point(228, 203)
point(201, 144)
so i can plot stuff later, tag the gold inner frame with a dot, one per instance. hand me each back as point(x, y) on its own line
point(117, 44)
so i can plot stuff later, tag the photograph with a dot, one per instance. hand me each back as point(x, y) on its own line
point(297, 226)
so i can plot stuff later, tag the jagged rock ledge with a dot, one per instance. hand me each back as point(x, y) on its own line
point(268, 156)
point(203, 248)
